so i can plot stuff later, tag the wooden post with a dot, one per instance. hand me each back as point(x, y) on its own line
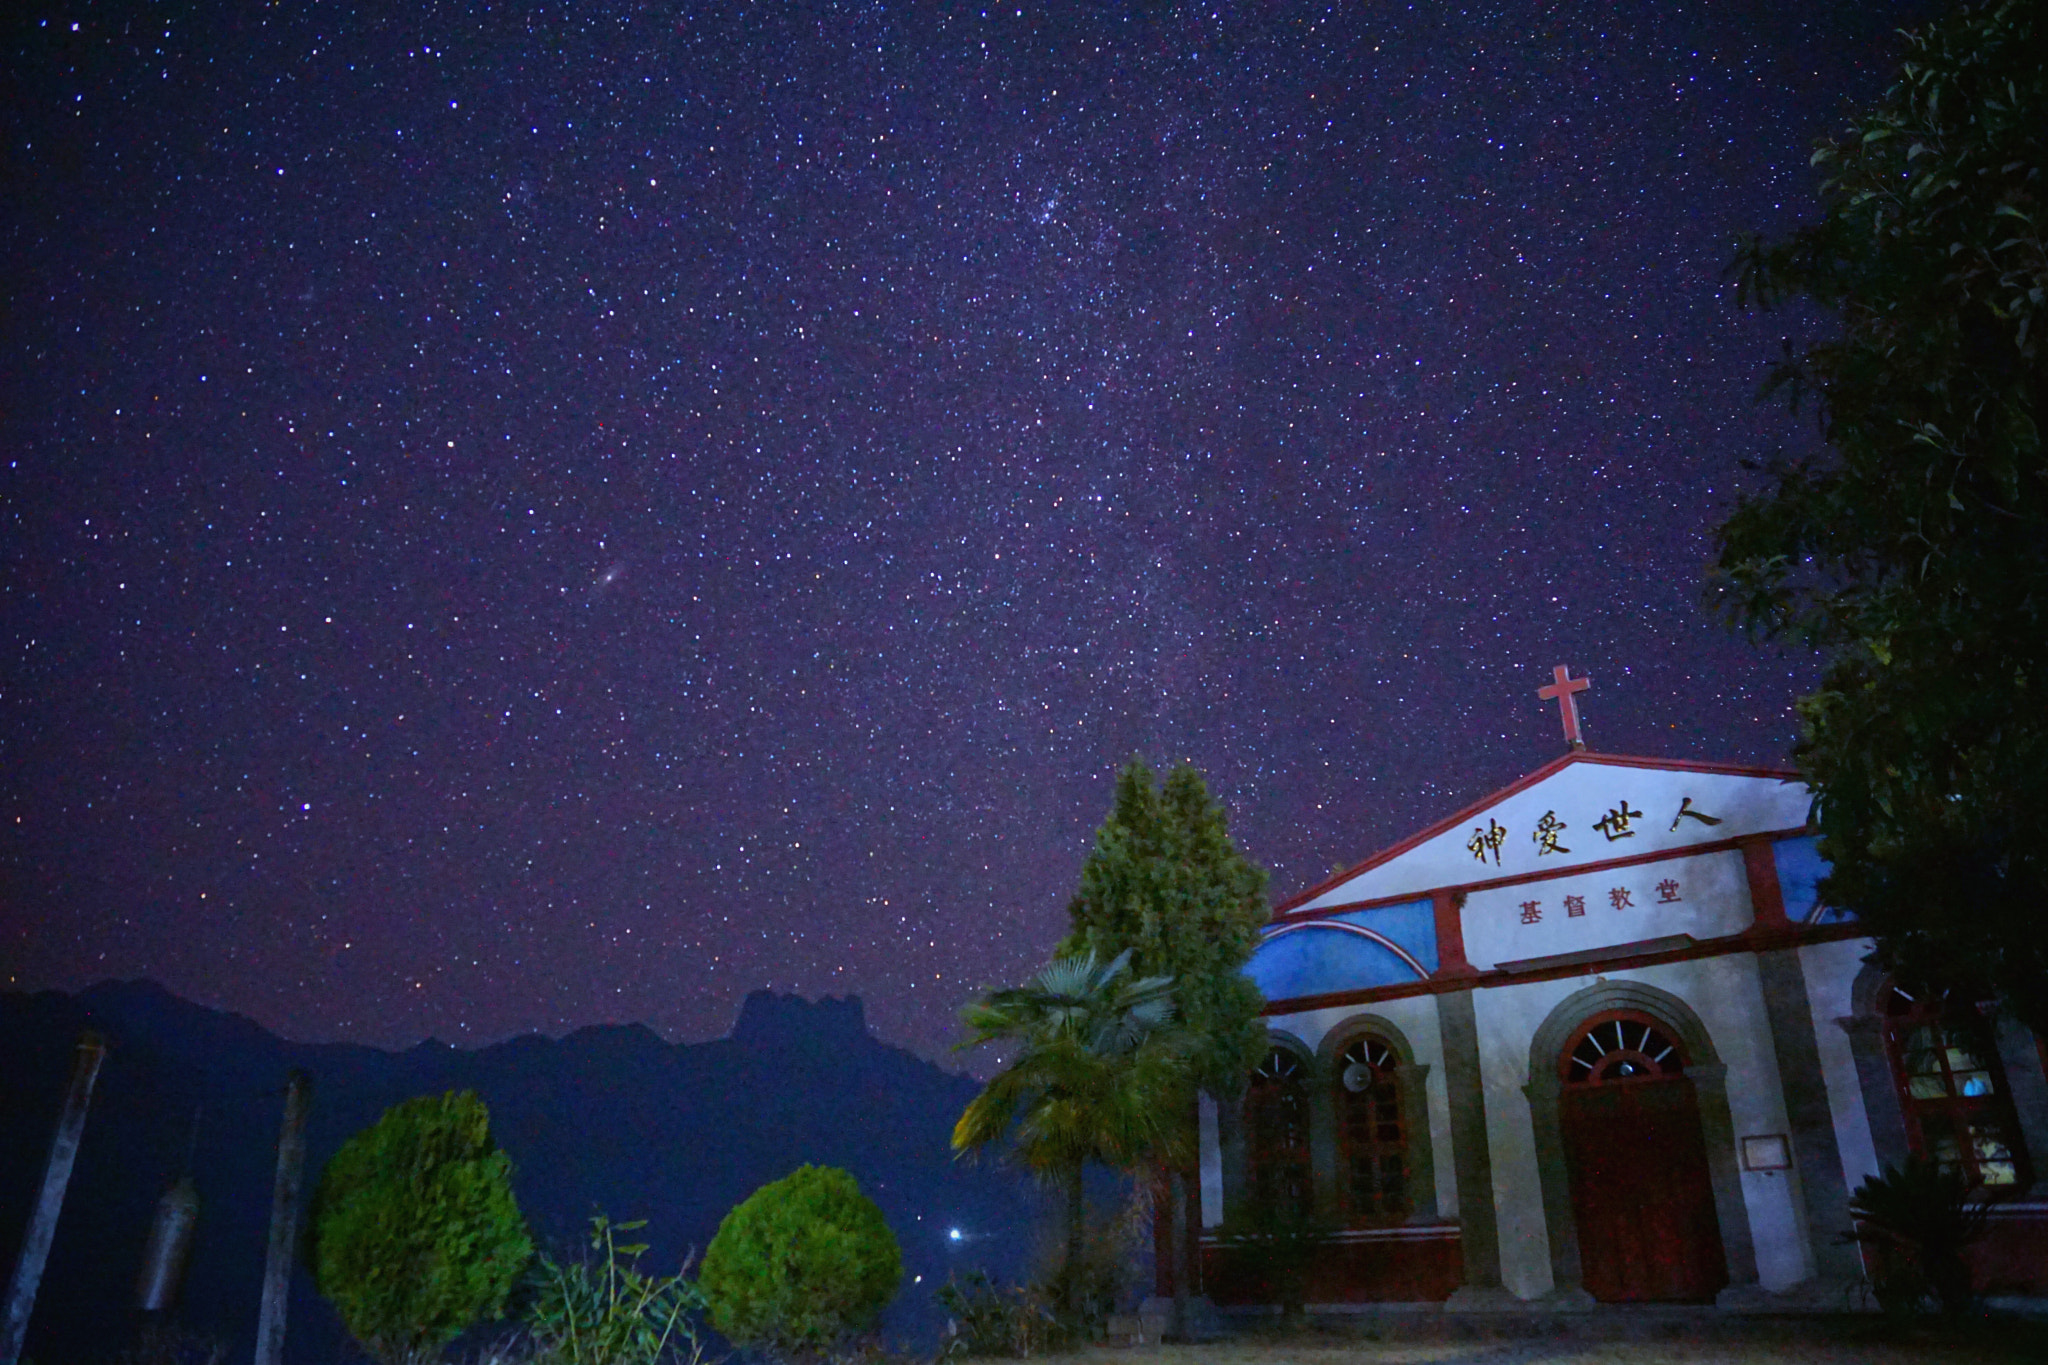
point(284, 1222)
point(42, 1226)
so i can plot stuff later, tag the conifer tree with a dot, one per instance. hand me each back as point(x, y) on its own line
point(1167, 885)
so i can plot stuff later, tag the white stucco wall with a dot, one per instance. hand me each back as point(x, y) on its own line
point(1727, 996)
point(1706, 896)
point(1579, 795)
point(1831, 970)
point(1416, 1017)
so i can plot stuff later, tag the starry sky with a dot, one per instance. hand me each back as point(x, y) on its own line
point(525, 516)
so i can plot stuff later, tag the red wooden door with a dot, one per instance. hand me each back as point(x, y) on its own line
point(1640, 1187)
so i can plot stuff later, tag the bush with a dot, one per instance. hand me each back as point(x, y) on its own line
point(415, 1233)
point(1917, 1221)
point(801, 1265)
point(983, 1320)
point(602, 1310)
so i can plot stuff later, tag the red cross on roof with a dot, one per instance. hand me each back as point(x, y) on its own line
point(1561, 691)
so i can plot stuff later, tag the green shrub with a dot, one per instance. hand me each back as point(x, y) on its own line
point(415, 1233)
point(602, 1310)
point(802, 1264)
point(1917, 1220)
point(983, 1320)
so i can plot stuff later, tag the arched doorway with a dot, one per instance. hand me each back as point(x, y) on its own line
point(1642, 1194)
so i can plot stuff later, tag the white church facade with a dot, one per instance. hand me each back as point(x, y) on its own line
point(1596, 1039)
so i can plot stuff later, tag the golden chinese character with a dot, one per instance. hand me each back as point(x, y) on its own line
point(1488, 840)
point(1614, 824)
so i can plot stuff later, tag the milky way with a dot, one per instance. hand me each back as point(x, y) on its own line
point(528, 516)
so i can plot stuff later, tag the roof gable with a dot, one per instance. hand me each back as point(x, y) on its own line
point(1582, 808)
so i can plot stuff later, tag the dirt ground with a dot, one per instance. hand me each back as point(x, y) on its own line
point(2018, 1345)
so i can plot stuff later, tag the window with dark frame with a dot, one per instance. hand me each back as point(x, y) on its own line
point(1277, 1153)
point(1371, 1127)
point(1952, 1087)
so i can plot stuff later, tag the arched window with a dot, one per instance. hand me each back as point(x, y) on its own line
point(1622, 1046)
point(1277, 1153)
point(1952, 1087)
point(1373, 1132)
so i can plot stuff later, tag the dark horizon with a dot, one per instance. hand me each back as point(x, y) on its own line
point(531, 520)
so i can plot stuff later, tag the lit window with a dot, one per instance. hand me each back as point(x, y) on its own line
point(1951, 1087)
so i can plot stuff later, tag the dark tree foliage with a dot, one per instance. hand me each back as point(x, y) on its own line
point(1915, 554)
point(1166, 884)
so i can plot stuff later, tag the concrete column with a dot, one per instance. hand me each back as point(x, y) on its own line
point(2028, 1085)
point(1822, 1192)
point(1471, 1153)
point(1880, 1099)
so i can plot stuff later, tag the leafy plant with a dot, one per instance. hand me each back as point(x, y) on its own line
point(801, 1265)
point(1918, 1219)
point(1914, 555)
point(984, 1320)
point(1100, 1078)
point(415, 1232)
point(604, 1310)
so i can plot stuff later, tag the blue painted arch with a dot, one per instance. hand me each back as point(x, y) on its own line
point(1317, 957)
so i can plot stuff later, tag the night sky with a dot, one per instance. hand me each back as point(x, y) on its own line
point(528, 516)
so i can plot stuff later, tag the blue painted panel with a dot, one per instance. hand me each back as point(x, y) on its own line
point(1412, 925)
point(1800, 868)
point(1316, 961)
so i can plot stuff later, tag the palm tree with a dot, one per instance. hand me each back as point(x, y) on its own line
point(1100, 1077)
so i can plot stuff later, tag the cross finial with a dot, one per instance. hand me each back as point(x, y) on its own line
point(1561, 691)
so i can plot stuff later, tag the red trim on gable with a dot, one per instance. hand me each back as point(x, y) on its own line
point(1548, 874)
point(1555, 765)
point(1644, 953)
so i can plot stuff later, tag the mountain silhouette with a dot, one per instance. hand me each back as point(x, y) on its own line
point(609, 1118)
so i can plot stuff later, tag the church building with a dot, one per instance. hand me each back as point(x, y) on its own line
point(1596, 1039)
